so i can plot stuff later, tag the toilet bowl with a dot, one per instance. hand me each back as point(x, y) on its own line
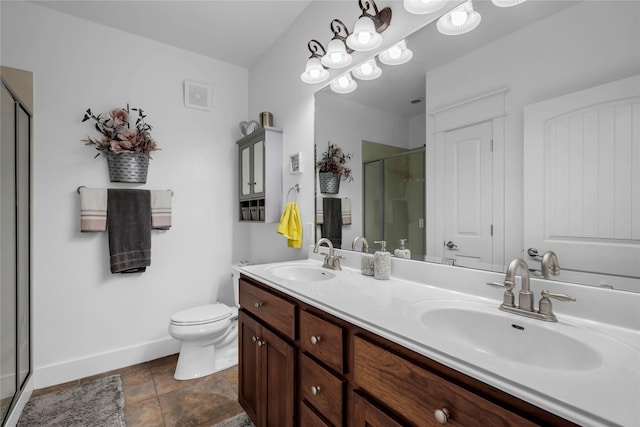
point(209, 338)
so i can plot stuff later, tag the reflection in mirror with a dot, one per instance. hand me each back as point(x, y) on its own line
point(393, 198)
point(476, 88)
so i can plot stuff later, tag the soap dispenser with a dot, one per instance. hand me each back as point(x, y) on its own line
point(382, 262)
point(402, 252)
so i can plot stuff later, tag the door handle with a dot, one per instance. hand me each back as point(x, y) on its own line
point(451, 245)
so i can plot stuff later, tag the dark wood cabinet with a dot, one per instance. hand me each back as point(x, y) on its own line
point(366, 414)
point(267, 374)
point(348, 376)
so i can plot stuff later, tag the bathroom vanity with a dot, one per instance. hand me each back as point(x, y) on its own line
point(343, 349)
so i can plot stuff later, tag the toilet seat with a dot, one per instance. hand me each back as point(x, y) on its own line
point(201, 315)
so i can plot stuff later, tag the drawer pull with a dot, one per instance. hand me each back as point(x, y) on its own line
point(442, 415)
point(315, 389)
point(315, 339)
point(258, 304)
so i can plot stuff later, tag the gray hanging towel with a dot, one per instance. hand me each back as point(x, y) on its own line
point(129, 225)
point(332, 220)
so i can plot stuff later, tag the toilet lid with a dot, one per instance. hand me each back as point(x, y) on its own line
point(201, 314)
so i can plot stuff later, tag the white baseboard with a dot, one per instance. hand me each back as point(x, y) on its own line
point(16, 411)
point(70, 370)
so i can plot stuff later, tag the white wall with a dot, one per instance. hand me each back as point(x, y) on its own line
point(275, 85)
point(87, 320)
point(577, 48)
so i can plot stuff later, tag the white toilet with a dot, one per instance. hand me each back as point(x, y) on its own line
point(209, 337)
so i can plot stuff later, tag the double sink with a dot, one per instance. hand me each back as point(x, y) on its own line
point(591, 367)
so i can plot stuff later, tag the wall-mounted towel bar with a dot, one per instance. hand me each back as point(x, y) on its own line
point(82, 186)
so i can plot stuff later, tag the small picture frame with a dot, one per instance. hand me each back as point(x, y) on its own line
point(295, 163)
point(197, 95)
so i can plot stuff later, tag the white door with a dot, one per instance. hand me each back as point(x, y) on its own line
point(468, 196)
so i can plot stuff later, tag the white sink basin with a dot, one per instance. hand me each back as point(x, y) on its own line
point(485, 329)
point(301, 273)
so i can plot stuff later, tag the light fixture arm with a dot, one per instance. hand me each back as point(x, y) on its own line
point(338, 27)
point(316, 49)
point(381, 19)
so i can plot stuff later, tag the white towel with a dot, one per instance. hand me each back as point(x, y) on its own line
point(161, 209)
point(93, 209)
point(346, 211)
point(319, 211)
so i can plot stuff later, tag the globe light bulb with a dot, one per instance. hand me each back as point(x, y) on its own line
point(336, 57)
point(366, 69)
point(343, 81)
point(458, 17)
point(395, 52)
point(364, 37)
point(314, 73)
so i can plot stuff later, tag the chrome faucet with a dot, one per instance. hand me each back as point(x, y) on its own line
point(549, 264)
point(525, 296)
point(331, 260)
point(365, 244)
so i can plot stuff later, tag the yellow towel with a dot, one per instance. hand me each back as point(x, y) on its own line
point(290, 225)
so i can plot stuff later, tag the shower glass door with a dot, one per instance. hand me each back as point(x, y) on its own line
point(394, 201)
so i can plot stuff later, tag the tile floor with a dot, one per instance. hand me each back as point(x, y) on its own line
point(152, 397)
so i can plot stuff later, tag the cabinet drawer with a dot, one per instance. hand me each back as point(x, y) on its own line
point(277, 312)
point(321, 389)
point(417, 393)
point(322, 339)
point(366, 414)
point(308, 418)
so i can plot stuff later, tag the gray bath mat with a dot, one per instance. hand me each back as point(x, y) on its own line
point(99, 403)
point(240, 420)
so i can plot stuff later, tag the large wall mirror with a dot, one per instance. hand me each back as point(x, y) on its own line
point(466, 104)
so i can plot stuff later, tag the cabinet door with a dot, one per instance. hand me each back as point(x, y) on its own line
point(278, 369)
point(246, 181)
point(258, 168)
point(249, 375)
point(365, 414)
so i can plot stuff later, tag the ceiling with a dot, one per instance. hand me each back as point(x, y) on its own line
point(220, 29)
point(226, 29)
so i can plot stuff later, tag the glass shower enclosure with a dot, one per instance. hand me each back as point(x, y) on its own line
point(394, 201)
point(15, 214)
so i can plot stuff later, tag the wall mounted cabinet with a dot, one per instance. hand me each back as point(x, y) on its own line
point(260, 175)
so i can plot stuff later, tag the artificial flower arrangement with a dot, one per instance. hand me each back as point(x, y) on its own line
point(118, 136)
point(333, 160)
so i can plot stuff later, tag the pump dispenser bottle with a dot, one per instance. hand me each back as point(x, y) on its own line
point(382, 262)
point(402, 252)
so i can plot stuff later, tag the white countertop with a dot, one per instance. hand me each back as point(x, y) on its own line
point(606, 394)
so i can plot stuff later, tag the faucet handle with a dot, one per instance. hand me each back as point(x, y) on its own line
point(506, 284)
point(545, 307)
point(508, 299)
point(336, 262)
point(560, 297)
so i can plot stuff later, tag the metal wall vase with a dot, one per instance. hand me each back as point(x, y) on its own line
point(329, 183)
point(128, 167)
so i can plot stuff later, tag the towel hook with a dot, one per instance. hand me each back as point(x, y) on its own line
point(295, 188)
